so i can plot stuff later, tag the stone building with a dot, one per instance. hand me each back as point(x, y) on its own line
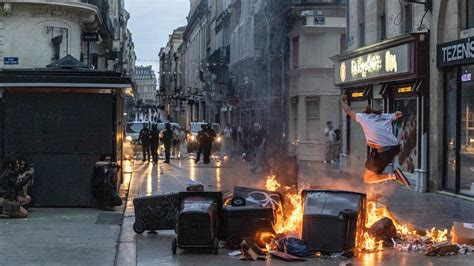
point(146, 85)
point(89, 30)
point(313, 98)
point(171, 90)
point(413, 57)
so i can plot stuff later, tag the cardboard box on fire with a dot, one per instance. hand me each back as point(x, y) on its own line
point(462, 233)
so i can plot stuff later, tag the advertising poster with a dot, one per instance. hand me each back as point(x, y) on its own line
point(405, 130)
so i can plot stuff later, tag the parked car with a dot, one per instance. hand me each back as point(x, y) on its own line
point(194, 128)
point(132, 130)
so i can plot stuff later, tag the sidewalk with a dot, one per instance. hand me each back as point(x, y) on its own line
point(63, 236)
point(60, 237)
point(422, 210)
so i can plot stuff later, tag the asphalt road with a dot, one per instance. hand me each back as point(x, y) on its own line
point(155, 248)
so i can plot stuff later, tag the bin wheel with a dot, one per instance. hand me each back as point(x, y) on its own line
point(139, 227)
point(233, 241)
point(215, 246)
point(174, 246)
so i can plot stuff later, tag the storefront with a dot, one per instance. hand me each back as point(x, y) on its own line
point(389, 76)
point(456, 59)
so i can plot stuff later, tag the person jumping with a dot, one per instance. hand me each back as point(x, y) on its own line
point(384, 146)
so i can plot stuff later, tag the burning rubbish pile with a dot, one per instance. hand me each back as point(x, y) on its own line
point(289, 224)
point(381, 229)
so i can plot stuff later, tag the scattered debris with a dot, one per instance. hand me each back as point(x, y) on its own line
point(285, 256)
point(462, 233)
point(384, 230)
point(235, 253)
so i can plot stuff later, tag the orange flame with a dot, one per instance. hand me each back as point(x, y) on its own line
point(293, 208)
point(292, 220)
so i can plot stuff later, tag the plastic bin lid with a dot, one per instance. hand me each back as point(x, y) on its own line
point(331, 202)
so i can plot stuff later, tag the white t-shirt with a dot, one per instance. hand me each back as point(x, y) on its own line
point(378, 128)
point(329, 134)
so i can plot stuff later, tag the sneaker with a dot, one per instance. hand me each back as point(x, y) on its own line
point(333, 162)
point(401, 178)
point(325, 161)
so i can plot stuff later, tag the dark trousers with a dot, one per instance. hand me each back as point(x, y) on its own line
point(206, 150)
point(154, 152)
point(146, 152)
point(167, 153)
point(198, 154)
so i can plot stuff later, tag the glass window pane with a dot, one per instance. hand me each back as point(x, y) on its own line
point(467, 132)
point(451, 140)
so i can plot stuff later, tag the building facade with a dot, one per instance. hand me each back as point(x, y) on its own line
point(88, 30)
point(146, 85)
point(413, 57)
point(171, 92)
point(313, 99)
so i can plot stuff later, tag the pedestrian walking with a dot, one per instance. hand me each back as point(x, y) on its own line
point(209, 137)
point(384, 146)
point(228, 139)
point(154, 140)
point(178, 138)
point(167, 136)
point(200, 140)
point(329, 141)
point(144, 138)
point(258, 142)
point(234, 139)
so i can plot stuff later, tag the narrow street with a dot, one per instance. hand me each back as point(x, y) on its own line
point(155, 248)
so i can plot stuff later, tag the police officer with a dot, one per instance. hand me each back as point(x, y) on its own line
point(167, 141)
point(154, 140)
point(144, 139)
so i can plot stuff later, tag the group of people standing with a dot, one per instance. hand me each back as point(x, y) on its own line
point(16, 182)
point(332, 145)
point(151, 138)
point(205, 139)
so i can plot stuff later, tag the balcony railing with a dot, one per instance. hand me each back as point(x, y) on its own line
point(103, 7)
point(277, 5)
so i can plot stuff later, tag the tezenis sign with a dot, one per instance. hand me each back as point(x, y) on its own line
point(460, 52)
point(381, 63)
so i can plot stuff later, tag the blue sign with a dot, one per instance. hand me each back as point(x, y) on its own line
point(10, 60)
point(319, 20)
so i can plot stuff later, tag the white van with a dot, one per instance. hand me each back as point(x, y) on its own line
point(132, 130)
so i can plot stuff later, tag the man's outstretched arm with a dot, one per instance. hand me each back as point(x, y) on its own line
point(398, 114)
point(347, 109)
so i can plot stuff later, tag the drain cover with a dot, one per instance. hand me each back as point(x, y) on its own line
point(110, 218)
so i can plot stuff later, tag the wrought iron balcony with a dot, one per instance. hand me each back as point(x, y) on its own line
point(103, 7)
point(277, 5)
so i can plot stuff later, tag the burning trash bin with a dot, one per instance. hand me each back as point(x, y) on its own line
point(333, 220)
point(198, 221)
point(238, 223)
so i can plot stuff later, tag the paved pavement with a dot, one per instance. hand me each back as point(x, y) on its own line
point(155, 249)
point(93, 237)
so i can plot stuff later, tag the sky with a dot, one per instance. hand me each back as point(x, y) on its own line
point(151, 22)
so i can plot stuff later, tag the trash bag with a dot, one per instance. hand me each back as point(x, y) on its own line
point(295, 247)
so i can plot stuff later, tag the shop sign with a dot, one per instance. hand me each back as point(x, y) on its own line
point(357, 95)
point(466, 77)
point(460, 52)
point(405, 89)
point(382, 63)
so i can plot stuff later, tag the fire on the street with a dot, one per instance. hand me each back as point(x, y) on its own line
point(291, 221)
point(293, 216)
